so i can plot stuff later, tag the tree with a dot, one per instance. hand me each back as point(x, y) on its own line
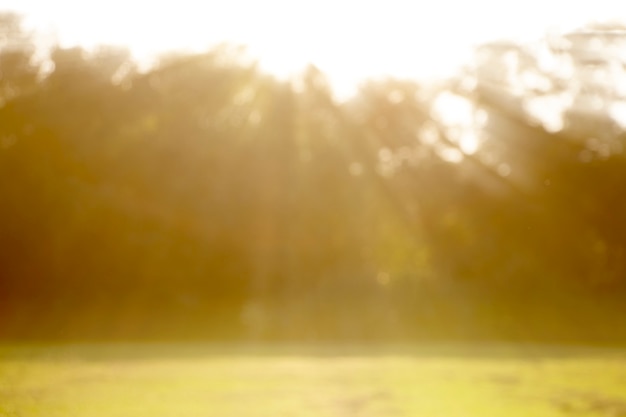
point(18, 71)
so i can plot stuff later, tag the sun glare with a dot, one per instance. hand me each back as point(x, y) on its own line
point(348, 41)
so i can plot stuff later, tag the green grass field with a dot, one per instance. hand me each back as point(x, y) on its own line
point(193, 380)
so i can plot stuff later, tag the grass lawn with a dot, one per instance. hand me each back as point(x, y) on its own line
point(193, 380)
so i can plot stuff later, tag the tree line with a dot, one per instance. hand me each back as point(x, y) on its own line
point(205, 198)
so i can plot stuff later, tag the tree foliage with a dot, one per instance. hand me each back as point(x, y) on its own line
point(205, 197)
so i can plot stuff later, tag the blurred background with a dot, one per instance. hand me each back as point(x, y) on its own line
point(313, 171)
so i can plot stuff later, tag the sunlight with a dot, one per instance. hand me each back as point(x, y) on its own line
point(461, 120)
point(348, 41)
point(453, 110)
point(449, 154)
point(617, 110)
point(469, 143)
point(549, 110)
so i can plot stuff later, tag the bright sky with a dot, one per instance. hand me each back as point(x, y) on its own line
point(349, 40)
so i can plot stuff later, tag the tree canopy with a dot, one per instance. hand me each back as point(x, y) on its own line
point(205, 197)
